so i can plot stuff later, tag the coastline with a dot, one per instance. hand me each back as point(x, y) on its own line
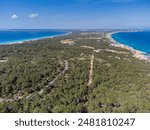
point(34, 39)
point(136, 53)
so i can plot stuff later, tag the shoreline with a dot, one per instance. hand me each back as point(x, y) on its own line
point(136, 53)
point(34, 39)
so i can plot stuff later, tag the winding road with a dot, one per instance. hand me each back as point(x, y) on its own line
point(41, 91)
point(56, 78)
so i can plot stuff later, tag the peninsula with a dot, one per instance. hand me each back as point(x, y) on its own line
point(84, 71)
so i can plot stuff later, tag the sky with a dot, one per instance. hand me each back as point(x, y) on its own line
point(74, 14)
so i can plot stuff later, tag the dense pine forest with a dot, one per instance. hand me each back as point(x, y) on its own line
point(79, 72)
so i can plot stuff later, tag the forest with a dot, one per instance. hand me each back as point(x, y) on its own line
point(46, 76)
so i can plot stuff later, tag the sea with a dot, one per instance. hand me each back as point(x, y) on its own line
point(137, 40)
point(18, 36)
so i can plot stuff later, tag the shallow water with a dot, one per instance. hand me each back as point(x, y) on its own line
point(137, 40)
point(11, 36)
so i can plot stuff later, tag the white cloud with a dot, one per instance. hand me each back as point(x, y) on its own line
point(14, 16)
point(33, 15)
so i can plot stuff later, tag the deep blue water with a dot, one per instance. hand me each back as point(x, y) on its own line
point(11, 36)
point(137, 40)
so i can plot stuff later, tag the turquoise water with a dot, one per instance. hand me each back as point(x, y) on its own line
point(137, 40)
point(12, 36)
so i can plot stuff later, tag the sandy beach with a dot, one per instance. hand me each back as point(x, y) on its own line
point(36, 39)
point(136, 53)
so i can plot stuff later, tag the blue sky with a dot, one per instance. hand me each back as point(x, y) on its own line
point(74, 14)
